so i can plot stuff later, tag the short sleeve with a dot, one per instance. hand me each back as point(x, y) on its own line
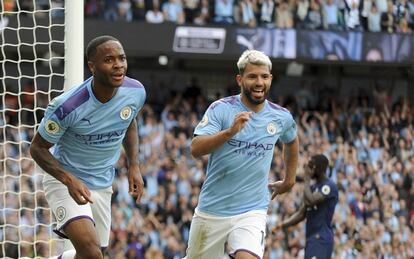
point(289, 130)
point(143, 98)
point(212, 121)
point(51, 127)
point(328, 190)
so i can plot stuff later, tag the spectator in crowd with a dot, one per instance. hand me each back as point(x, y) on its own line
point(302, 10)
point(382, 5)
point(314, 20)
point(410, 5)
point(190, 10)
point(374, 19)
point(365, 8)
point(111, 10)
point(93, 8)
point(125, 10)
point(352, 16)
point(388, 19)
point(224, 11)
point(173, 11)
point(330, 17)
point(9, 5)
point(400, 10)
point(266, 12)
point(154, 15)
point(203, 14)
point(140, 7)
point(284, 17)
point(246, 13)
point(403, 26)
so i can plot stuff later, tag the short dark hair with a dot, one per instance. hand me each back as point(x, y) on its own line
point(321, 163)
point(93, 44)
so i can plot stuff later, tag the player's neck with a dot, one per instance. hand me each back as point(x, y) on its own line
point(321, 178)
point(103, 94)
point(253, 107)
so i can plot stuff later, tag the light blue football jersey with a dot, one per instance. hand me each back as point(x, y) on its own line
point(237, 172)
point(88, 134)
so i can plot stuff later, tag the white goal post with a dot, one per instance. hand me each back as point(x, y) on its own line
point(41, 54)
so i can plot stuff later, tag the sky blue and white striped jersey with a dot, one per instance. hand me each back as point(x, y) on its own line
point(237, 172)
point(88, 134)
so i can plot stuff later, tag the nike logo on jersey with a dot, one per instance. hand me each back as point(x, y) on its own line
point(87, 120)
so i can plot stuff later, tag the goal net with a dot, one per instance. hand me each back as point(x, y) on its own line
point(32, 60)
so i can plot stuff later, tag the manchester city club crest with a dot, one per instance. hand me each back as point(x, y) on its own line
point(126, 113)
point(271, 128)
point(60, 213)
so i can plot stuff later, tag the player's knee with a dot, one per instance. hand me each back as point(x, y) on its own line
point(92, 251)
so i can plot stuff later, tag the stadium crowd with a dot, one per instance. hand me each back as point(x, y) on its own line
point(369, 139)
point(359, 15)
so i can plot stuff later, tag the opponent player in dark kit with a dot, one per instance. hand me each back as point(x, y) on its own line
point(318, 207)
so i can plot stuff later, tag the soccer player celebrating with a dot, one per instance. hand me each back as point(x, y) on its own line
point(318, 207)
point(239, 132)
point(86, 126)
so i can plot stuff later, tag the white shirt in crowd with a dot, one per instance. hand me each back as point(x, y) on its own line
point(154, 16)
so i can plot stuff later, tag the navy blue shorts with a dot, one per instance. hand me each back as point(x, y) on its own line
point(317, 249)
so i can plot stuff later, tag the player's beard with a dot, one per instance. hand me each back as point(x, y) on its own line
point(256, 101)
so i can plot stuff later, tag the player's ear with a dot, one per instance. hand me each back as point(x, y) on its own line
point(238, 79)
point(91, 67)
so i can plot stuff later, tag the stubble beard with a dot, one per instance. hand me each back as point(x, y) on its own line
point(250, 98)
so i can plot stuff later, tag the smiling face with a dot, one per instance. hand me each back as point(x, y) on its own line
point(109, 64)
point(255, 83)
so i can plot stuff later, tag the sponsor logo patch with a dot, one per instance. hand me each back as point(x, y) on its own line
point(326, 189)
point(52, 127)
point(204, 121)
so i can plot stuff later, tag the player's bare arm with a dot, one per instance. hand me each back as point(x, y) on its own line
point(296, 217)
point(39, 150)
point(203, 145)
point(291, 156)
point(130, 144)
point(311, 198)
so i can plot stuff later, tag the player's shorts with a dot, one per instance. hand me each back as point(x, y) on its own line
point(210, 235)
point(317, 249)
point(67, 210)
